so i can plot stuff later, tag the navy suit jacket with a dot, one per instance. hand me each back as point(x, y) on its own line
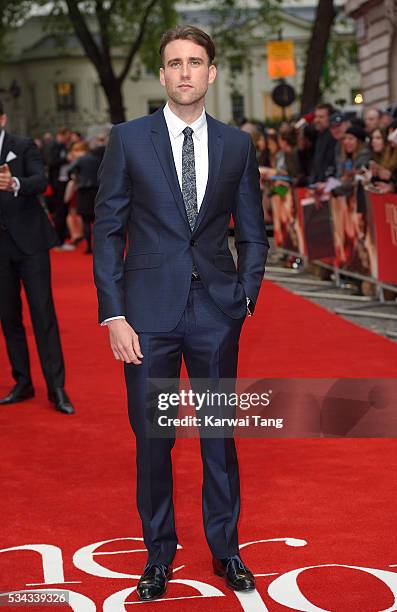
point(140, 198)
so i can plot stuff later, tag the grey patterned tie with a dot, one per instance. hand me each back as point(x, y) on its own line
point(189, 189)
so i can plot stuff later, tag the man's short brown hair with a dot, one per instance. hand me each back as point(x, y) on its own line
point(326, 106)
point(188, 32)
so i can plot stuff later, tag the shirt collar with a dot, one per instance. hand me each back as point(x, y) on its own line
point(176, 125)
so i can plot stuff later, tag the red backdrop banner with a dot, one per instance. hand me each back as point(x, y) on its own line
point(384, 213)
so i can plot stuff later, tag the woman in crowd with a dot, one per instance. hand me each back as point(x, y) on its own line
point(272, 153)
point(349, 217)
point(378, 144)
point(84, 171)
point(382, 176)
point(260, 144)
point(74, 220)
point(266, 147)
point(288, 162)
point(285, 222)
point(354, 158)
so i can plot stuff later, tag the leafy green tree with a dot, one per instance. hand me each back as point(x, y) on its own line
point(341, 54)
point(130, 29)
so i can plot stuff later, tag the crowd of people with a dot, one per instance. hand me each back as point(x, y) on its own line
point(327, 144)
point(336, 157)
point(325, 151)
point(72, 164)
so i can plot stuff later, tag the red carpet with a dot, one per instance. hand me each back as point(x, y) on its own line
point(68, 482)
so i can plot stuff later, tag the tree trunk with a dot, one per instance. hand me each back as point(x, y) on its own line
point(322, 26)
point(114, 96)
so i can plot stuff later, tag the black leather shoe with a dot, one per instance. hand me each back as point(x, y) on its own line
point(62, 403)
point(237, 575)
point(19, 393)
point(153, 582)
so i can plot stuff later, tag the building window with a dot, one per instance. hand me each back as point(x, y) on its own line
point(238, 112)
point(153, 105)
point(65, 96)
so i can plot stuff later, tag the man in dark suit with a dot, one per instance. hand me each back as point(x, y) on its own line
point(26, 235)
point(170, 181)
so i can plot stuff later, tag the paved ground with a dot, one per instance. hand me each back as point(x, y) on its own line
point(307, 281)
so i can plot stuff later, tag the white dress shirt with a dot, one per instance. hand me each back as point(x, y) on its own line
point(175, 127)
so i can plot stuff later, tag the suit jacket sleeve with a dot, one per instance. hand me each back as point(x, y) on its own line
point(34, 180)
point(250, 234)
point(112, 210)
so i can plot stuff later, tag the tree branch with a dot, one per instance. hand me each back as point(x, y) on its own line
point(84, 35)
point(103, 16)
point(137, 42)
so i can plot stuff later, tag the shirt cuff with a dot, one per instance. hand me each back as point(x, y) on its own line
point(105, 322)
point(16, 185)
point(249, 313)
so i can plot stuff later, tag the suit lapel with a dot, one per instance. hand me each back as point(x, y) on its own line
point(162, 144)
point(5, 148)
point(215, 152)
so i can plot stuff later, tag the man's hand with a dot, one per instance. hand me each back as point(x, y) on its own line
point(319, 187)
point(384, 187)
point(5, 178)
point(384, 174)
point(124, 342)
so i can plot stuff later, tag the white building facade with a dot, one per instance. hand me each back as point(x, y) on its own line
point(376, 25)
point(59, 86)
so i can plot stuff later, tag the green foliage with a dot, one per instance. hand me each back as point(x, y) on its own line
point(341, 55)
point(235, 25)
point(232, 24)
point(163, 17)
point(130, 30)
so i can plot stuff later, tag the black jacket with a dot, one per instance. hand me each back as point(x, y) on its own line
point(57, 156)
point(323, 163)
point(23, 216)
point(85, 168)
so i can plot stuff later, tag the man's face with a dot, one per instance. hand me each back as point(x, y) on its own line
point(3, 122)
point(338, 129)
point(186, 73)
point(371, 120)
point(385, 120)
point(62, 138)
point(321, 119)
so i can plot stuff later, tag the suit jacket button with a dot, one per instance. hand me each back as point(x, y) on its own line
point(193, 243)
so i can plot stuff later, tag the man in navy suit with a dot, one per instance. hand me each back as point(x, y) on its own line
point(170, 182)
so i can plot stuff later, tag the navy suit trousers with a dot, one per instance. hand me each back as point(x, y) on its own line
point(207, 339)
